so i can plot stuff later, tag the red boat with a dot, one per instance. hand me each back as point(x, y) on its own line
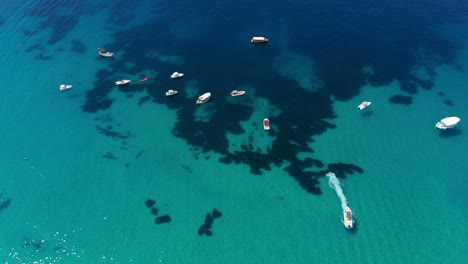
point(143, 79)
point(266, 124)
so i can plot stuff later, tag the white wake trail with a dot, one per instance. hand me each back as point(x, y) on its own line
point(335, 184)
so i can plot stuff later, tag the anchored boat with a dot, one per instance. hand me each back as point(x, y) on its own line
point(203, 98)
point(364, 105)
point(237, 93)
point(105, 53)
point(122, 82)
point(176, 75)
point(266, 124)
point(448, 122)
point(171, 92)
point(64, 87)
point(259, 40)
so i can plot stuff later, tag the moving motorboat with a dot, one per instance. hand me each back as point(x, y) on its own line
point(348, 218)
point(176, 75)
point(105, 53)
point(203, 98)
point(122, 82)
point(266, 124)
point(259, 40)
point(364, 105)
point(64, 87)
point(142, 79)
point(171, 92)
point(448, 122)
point(237, 93)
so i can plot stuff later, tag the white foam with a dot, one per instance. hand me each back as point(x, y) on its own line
point(336, 185)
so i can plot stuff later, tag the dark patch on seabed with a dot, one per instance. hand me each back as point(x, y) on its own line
point(78, 46)
point(113, 134)
point(4, 203)
point(205, 228)
point(400, 99)
point(341, 45)
point(58, 17)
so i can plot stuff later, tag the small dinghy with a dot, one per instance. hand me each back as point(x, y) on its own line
point(364, 105)
point(64, 87)
point(266, 124)
point(122, 82)
point(176, 75)
point(448, 122)
point(142, 79)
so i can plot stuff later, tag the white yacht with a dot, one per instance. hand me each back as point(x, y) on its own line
point(105, 53)
point(266, 124)
point(176, 75)
point(171, 92)
point(348, 218)
point(448, 122)
point(259, 40)
point(64, 87)
point(364, 105)
point(122, 82)
point(237, 93)
point(203, 98)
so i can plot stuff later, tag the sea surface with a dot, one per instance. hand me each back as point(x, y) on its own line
point(88, 175)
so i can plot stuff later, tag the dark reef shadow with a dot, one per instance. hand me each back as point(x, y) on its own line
point(400, 99)
point(391, 60)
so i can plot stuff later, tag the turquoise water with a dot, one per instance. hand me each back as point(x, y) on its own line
point(77, 166)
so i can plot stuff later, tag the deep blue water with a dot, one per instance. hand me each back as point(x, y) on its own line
point(321, 55)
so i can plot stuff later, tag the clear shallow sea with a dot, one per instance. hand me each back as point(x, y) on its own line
point(76, 168)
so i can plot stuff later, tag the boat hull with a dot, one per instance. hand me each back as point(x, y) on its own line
point(259, 40)
point(65, 87)
point(237, 93)
point(364, 105)
point(266, 124)
point(448, 122)
point(122, 82)
point(348, 218)
point(203, 98)
point(177, 75)
point(171, 93)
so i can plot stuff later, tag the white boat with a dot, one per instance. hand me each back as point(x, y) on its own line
point(105, 53)
point(176, 75)
point(64, 87)
point(348, 218)
point(364, 105)
point(122, 82)
point(448, 122)
point(266, 124)
point(171, 92)
point(237, 93)
point(259, 40)
point(203, 98)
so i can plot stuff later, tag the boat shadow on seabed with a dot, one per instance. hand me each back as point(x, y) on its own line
point(449, 133)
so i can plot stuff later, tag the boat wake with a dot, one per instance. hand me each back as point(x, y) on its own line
point(336, 185)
